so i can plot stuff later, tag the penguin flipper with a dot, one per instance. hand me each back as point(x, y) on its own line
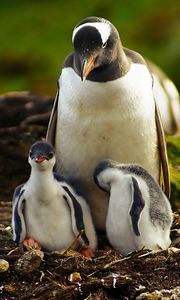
point(137, 206)
point(50, 135)
point(164, 170)
point(18, 222)
point(78, 226)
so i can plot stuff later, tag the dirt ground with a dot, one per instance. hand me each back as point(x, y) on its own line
point(69, 275)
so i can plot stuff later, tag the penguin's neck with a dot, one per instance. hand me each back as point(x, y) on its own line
point(122, 63)
point(42, 182)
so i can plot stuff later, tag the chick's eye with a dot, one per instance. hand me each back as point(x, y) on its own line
point(104, 45)
point(50, 154)
point(30, 153)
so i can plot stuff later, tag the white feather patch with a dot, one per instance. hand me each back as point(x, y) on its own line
point(104, 30)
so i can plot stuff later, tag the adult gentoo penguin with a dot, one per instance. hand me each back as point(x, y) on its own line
point(47, 211)
point(105, 107)
point(139, 214)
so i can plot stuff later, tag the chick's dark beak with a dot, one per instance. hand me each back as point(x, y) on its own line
point(39, 159)
point(87, 66)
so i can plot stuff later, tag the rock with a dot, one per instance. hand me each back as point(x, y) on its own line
point(29, 262)
point(74, 277)
point(15, 107)
point(159, 295)
point(4, 265)
point(23, 120)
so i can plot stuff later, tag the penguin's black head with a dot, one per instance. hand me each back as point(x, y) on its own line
point(96, 43)
point(41, 153)
point(102, 166)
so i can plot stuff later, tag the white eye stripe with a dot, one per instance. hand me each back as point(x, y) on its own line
point(104, 45)
point(103, 28)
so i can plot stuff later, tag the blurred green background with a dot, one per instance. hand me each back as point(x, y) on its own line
point(35, 36)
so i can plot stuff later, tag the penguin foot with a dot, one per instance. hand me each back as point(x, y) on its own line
point(88, 252)
point(31, 244)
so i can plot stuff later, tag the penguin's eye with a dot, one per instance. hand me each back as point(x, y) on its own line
point(30, 153)
point(50, 155)
point(104, 45)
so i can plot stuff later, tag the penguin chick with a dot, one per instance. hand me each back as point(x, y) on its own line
point(139, 214)
point(47, 211)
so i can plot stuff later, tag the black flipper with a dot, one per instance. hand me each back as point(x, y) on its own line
point(137, 206)
point(76, 215)
point(164, 171)
point(18, 223)
point(51, 131)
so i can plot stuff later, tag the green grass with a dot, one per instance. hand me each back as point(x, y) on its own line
point(35, 36)
point(173, 147)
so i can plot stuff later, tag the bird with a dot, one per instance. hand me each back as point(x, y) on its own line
point(139, 214)
point(105, 108)
point(47, 210)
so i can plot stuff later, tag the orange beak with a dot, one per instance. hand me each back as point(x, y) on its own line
point(87, 67)
point(39, 159)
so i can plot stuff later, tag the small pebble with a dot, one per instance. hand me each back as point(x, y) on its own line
point(4, 265)
point(74, 277)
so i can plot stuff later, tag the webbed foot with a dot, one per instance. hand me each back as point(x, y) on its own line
point(88, 252)
point(31, 244)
